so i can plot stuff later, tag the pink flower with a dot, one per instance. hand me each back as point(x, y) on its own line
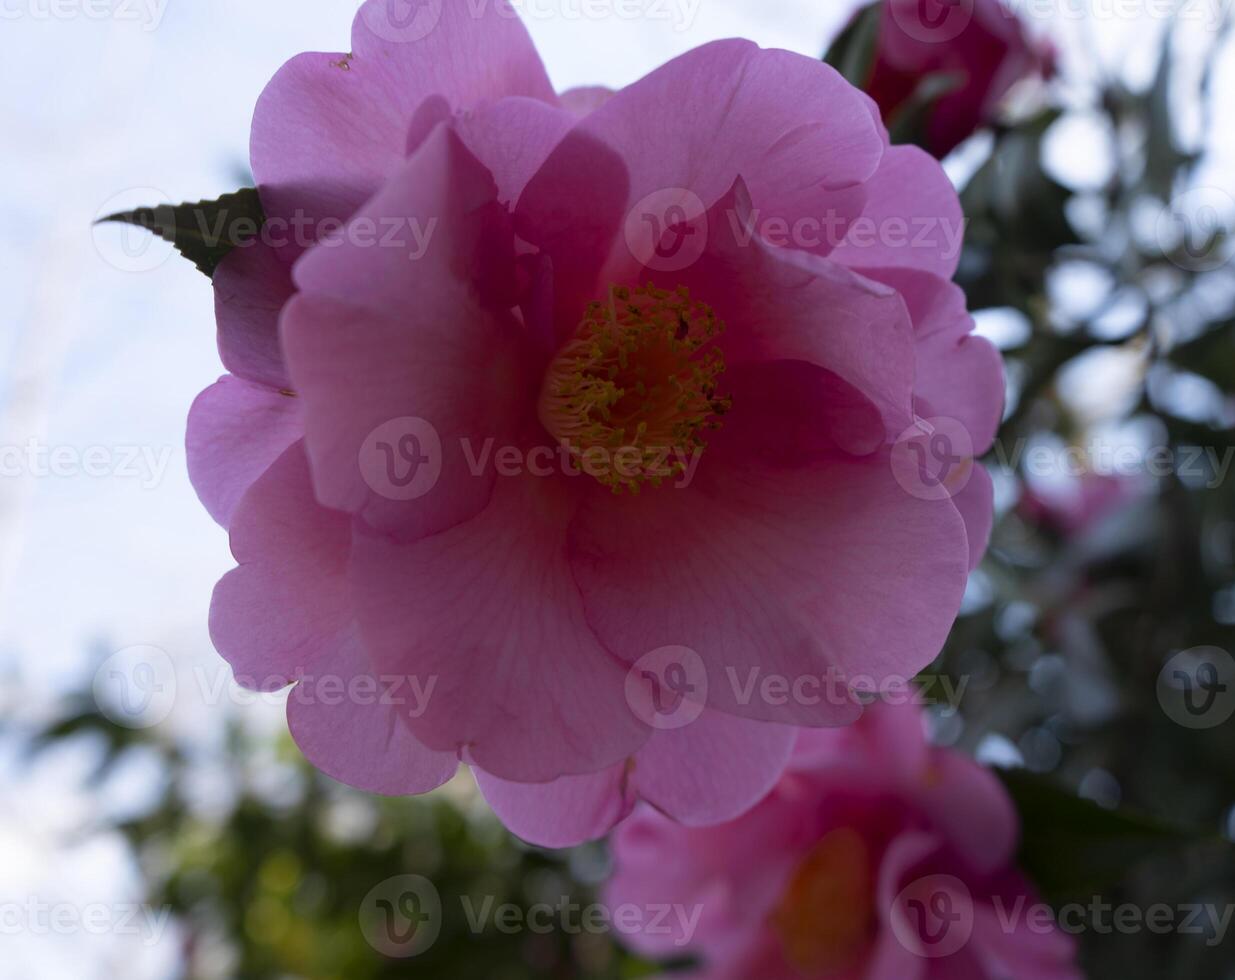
point(517, 286)
point(876, 857)
point(979, 42)
point(1076, 504)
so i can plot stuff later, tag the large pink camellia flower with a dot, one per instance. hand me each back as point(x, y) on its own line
point(981, 44)
point(526, 390)
point(876, 857)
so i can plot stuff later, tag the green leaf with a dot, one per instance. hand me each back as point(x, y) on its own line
point(1163, 157)
point(203, 232)
point(1211, 355)
point(1073, 847)
point(853, 52)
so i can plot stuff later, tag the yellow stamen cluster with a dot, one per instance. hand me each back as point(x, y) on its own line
point(827, 915)
point(633, 392)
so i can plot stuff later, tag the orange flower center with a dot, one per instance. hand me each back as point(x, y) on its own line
point(633, 392)
point(827, 915)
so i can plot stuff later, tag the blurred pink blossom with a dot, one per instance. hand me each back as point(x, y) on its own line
point(876, 857)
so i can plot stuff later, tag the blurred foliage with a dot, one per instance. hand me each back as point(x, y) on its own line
point(1067, 630)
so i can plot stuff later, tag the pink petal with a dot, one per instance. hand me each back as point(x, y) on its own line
point(976, 504)
point(707, 772)
point(784, 304)
point(278, 620)
point(251, 285)
point(235, 431)
point(776, 576)
point(273, 618)
point(513, 138)
point(912, 219)
point(718, 112)
point(563, 813)
point(356, 738)
point(734, 873)
point(330, 128)
point(489, 613)
point(959, 375)
point(962, 379)
point(712, 770)
point(680, 137)
point(439, 364)
point(969, 806)
point(794, 412)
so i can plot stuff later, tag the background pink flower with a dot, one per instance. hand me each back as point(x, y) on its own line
point(876, 857)
point(518, 605)
point(981, 43)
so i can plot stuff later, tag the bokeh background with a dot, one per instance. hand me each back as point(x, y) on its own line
point(191, 834)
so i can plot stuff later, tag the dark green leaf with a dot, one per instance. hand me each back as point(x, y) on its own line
point(1071, 846)
point(1163, 157)
point(1211, 355)
point(853, 52)
point(203, 232)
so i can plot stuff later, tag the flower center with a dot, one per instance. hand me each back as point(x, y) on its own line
point(826, 916)
point(632, 393)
